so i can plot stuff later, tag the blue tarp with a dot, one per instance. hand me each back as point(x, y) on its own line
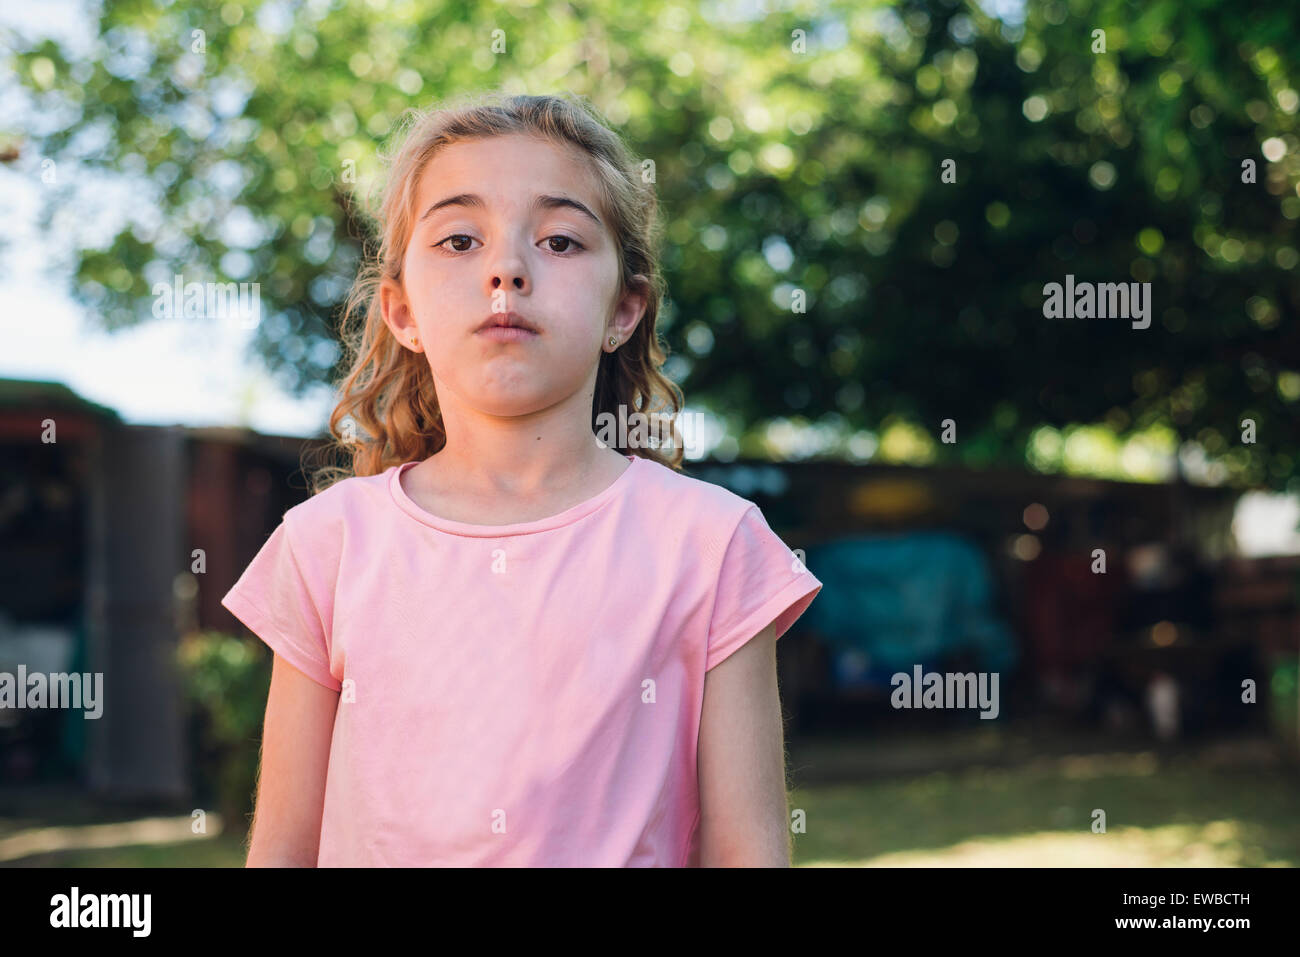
point(891, 602)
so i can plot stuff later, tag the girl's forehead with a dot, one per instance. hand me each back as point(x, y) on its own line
point(507, 167)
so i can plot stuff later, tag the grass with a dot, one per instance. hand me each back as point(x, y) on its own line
point(1042, 815)
point(220, 851)
point(948, 800)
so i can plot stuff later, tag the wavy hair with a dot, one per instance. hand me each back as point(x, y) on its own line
point(388, 391)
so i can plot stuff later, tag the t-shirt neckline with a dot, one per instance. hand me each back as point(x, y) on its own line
point(566, 517)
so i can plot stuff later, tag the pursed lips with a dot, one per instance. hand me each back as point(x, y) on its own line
point(506, 328)
point(507, 320)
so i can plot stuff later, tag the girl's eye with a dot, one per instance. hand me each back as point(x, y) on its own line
point(573, 242)
point(452, 238)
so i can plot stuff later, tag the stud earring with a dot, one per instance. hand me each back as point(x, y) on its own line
point(613, 341)
point(415, 341)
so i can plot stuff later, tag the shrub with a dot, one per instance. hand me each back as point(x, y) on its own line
point(226, 679)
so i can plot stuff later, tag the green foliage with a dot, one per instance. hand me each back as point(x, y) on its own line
point(780, 170)
point(1284, 701)
point(226, 680)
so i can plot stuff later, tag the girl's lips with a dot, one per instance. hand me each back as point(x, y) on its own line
point(506, 333)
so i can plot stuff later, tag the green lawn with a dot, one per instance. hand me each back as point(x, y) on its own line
point(219, 851)
point(1014, 801)
point(1042, 816)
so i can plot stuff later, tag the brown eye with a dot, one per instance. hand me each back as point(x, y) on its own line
point(563, 239)
point(453, 239)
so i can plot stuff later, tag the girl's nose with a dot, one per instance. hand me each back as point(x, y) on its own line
point(515, 277)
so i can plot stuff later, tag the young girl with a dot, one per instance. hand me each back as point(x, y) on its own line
point(508, 637)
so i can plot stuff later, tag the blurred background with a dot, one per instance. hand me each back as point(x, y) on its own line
point(865, 201)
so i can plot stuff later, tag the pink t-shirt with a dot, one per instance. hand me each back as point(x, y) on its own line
point(518, 695)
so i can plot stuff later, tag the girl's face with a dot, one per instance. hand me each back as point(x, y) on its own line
point(509, 224)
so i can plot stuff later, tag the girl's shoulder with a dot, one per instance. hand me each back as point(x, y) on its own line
point(699, 502)
point(349, 498)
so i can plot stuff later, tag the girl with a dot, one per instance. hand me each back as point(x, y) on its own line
point(505, 637)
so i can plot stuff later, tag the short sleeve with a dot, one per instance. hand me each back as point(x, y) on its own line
point(761, 581)
point(278, 600)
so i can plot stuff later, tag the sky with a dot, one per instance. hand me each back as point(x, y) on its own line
point(178, 372)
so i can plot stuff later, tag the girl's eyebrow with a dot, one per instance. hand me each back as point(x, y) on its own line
point(543, 201)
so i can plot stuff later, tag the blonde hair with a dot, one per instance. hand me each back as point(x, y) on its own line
point(388, 390)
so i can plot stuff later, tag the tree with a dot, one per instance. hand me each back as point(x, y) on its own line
point(865, 204)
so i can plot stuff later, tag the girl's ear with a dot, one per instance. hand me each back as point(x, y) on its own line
point(631, 308)
point(394, 308)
